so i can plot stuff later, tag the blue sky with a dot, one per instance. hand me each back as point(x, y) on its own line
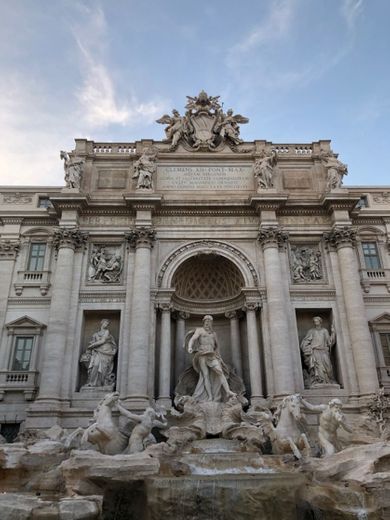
point(301, 70)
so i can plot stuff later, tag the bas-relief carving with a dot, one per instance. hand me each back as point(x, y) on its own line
point(316, 350)
point(381, 198)
point(74, 170)
point(105, 264)
point(306, 264)
point(98, 358)
point(17, 198)
point(205, 126)
point(145, 168)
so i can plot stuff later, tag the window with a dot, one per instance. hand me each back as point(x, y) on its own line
point(44, 202)
point(22, 352)
point(385, 344)
point(371, 255)
point(37, 256)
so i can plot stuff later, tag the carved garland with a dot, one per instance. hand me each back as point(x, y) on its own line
point(207, 244)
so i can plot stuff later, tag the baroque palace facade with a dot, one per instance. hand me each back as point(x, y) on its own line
point(102, 280)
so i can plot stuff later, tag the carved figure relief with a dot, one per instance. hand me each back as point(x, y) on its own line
point(204, 126)
point(99, 358)
point(144, 169)
point(335, 170)
point(316, 349)
point(105, 264)
point(74, 169)
point(264, 170)
point(306, 264)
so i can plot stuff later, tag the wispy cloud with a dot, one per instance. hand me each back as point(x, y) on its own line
point(99, 102)
point(351, 9)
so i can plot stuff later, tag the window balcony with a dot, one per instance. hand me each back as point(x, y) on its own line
point(19, 381)
point(369, 277)
point(384, 377)
point(39, 279)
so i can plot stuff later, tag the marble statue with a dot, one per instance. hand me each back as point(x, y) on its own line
point(212, 383)
point(187, 423)
point(176, 129)
point(104, 432)
point(204, 126)
point(74, 170)
point(316, 348)
point(105, 265)
point(99, 358)
point(264, 169)
point(288, 435)
point(144, 169)
point(335, 170)
point(141, 436)
point(305, 264)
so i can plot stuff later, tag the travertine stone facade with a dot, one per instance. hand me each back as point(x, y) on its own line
point(152, 236)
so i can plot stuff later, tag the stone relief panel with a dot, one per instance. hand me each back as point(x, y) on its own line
point(105, 264)
point(306, 263)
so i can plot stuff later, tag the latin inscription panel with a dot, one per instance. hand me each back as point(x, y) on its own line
point(205, 178)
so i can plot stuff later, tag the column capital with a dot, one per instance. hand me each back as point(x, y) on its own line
point(231, 315)
point(9, 249)
point(251, 306)
point(340, 236)
point(182, 315)
point(164, 306)
point(272, 236)
point(69, 237)
point(141, 237)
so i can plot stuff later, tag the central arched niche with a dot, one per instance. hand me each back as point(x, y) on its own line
point(208, 283)
point(207, 278)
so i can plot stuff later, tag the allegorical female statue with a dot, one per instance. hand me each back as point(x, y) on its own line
point(99, 358)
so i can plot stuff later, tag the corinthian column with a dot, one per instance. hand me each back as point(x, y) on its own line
point(65, 241)
point(180, 353)
point(271, 239)
point(253, 353)
point(343, 239)
point(142, 239)
point(164, 397)
point(8, 253)
point(235, 341)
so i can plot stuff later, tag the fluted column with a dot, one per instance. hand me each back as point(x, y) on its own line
point(253, 353)
point(164, 397)
point(343, 238)
point(235, 341)
point(271, 239)
point(180, 353)
point(8, 253)
point(142, 239)
point(65, 241)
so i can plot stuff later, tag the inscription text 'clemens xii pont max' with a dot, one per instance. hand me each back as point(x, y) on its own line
point(205, 177)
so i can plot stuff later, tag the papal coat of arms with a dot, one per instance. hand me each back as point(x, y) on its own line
point(205, 126)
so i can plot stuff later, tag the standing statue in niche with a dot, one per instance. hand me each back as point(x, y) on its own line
point(74, 170)
point(99, 358)
point(335, 170)
point(316, 348)
point(144, 169)
point(208, 363)
point(264, 169)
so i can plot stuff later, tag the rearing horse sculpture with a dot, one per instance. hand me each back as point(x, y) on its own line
point(288, 435)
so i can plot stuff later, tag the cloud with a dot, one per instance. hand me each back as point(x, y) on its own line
point(350, 10)
point(99, 103)
point(275, 54)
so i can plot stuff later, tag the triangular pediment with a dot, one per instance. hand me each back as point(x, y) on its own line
point(25, 322)
point(382, 318)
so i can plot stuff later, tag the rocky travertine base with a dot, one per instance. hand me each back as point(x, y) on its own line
point(211, 479)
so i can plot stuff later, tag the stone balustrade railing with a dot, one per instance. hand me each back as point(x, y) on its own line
point(25, 380)
point(374, 277)
point(124, 148)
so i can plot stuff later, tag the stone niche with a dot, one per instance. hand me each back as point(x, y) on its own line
point(91, 324)
point(313, 375)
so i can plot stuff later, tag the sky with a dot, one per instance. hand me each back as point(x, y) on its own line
point(301, 70)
